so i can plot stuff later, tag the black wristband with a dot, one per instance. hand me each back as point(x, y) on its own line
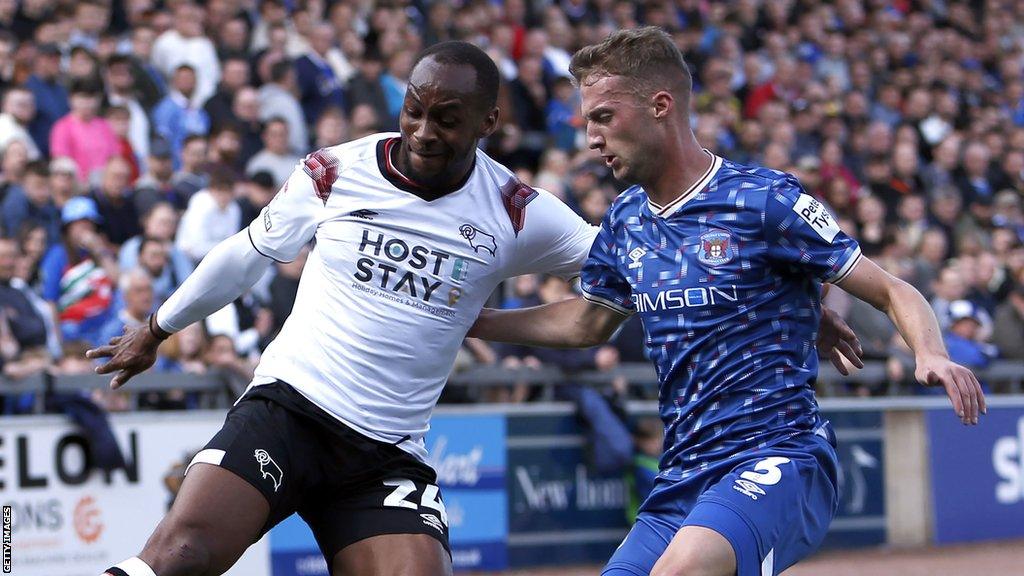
point(155, 330)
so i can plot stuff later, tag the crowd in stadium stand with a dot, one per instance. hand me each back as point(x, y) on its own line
point(137, 134)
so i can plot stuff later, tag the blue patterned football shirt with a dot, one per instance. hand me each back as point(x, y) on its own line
point(727, 281)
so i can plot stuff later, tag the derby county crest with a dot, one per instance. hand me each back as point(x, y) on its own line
point(715, 248)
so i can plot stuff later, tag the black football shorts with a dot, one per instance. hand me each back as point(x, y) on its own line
point(346, 486)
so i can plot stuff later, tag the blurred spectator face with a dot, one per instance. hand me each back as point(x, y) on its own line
point(342, 15)
point(879, 138)
point(82, 64)
point(531, 70)
point(370, 67)
point(20, 104)
point(191, 340)
point(400, 64)
point(161, 223)
point(277, 38)
point(246, 105)
point(976, 159)
point(331, 127)
point(946, 206)
point(870, 210)
point(322, 38)
point(222, 196)
point(193, 154)
point(33, 247)
point(933, 246)
point(275, 137)
point(1003, 241)
point(878, 171)
point(91, 18)
point(966, 328)
point(119, 78)
point(119, 120)
point(918, 105)
point(116, 177)
point(947, 153)
point(905, 160)
point(84, 105)
point(226, 146)
point(352, 45)
point(535, 44)
point(8, 259)
point(364, 121)
point(189, 20)
point(153, 258)
point(235, 74)
point(46, 66)
point(594, 206)
point(80, 232)
point(142, 42)
point(234, 35)
point(161, 167)
point(912, 208)
point(37, 188)
point(221, 351)
point(950, 286)
point(62, 183)
point(15, 157)
point(273, 12)
point(776, 156)
point(837, 194)
point(138, 294)
point(184, 80)
point(906, 134)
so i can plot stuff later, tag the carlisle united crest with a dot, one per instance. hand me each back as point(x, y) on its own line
point(716, 248)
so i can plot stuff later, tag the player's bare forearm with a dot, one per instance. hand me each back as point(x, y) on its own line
point(904, 305)
point(574, 323)
point(915, 320)
point(917, 324)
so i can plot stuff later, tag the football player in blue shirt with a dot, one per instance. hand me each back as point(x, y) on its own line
point(724, 263)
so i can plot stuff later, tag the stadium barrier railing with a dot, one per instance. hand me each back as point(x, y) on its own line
point(218, 389)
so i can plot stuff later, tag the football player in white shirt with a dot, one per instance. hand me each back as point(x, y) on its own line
point(412, 233)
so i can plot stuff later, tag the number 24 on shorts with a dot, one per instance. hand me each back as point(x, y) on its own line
point(404, 488)
point(765, 473)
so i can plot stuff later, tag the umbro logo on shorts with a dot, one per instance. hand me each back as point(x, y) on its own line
point(364, 214)
point(433, 522)
point(269, 468)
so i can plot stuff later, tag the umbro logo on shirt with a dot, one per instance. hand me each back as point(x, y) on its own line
point(364, 214)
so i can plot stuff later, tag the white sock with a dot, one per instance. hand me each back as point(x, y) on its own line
point(133, 566)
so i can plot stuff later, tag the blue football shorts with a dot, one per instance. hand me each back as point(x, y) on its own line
point(773, 505)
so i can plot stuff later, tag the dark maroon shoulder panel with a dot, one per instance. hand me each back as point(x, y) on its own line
point(322, 167)
point(515, 196)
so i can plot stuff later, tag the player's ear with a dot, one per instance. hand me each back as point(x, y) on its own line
point(490, 123)
point(662, 104)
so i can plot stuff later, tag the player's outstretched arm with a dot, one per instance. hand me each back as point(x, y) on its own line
point(573, 323)
point(917, 324)
point(230, 269)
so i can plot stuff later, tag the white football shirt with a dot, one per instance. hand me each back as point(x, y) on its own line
point(394, 281)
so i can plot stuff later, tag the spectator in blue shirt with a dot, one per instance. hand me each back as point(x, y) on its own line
point(51, 97)
point(319, 87)
point(32, 205)
point(178, 115)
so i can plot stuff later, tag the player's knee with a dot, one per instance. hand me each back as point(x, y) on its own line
point(178, 551)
